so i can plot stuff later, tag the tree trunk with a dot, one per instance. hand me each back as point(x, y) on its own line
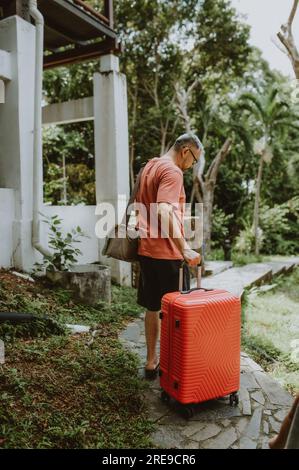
point(64, 189)
point(132, 158)
point(207, 215)
point(257, 204)
point(208, 189)
point(287, 39)
point(134, 98)
point(163, 140)
point(182, 98)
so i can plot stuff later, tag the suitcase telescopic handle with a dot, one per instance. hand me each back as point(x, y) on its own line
point(194, 288)
point(198, 281)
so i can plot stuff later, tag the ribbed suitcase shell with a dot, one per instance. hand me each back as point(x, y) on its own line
point(200, 345)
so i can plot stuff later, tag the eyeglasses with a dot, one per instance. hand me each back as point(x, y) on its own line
point(194, 158)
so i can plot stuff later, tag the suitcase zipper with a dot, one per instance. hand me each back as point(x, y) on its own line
point(170, 344)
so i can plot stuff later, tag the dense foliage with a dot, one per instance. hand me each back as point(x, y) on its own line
point(168, 46)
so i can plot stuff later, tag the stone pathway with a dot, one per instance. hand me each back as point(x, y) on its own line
point(215, 424)
point(235, 280)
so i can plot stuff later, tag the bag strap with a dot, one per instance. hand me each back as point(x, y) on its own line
point(134, 193)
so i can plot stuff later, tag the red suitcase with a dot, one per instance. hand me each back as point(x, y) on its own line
point(200, 346)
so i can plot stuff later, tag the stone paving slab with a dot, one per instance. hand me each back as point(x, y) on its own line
point(289, 266)
point(289, 263)
point(245, 402)
point(215, 267)
point(231, 283)
point(277, 267)
point(248, 381)
point(275, 393)
point(223, 441)
point(258, 397)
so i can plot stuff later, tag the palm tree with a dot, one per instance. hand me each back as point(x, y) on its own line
point(273, 116)
point(293, 169)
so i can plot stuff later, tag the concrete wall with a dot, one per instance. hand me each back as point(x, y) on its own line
point(72, 216)
point(7, 213)
point(68, 112)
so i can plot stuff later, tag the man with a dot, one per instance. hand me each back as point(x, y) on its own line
point(161, 254)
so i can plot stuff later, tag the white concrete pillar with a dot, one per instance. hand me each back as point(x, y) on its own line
point(112, 148)
point(16, 133)
point(2, 91)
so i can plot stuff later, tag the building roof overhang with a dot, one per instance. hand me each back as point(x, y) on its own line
point(73, 30)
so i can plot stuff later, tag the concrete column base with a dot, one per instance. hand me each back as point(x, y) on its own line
point(23, 256)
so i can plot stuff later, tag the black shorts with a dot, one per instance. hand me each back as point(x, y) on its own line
point(158, 277)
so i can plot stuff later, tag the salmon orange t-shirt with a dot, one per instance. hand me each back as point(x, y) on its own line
point(161, 181)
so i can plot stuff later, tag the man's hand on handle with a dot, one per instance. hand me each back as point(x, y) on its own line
point(191, 257)
point(165, 212)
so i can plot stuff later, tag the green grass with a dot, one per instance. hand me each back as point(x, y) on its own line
point(58, 392)
point(271, 330)
point(241, 259)
point(237, 258)
point(217, 254)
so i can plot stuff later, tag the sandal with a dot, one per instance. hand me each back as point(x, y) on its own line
point(151, 374)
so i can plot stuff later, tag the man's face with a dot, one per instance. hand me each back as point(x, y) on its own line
point(190, 156)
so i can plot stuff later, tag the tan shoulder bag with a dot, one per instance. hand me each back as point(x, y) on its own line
point(119, 244)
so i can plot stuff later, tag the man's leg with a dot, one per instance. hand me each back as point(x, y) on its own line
point(152, 335)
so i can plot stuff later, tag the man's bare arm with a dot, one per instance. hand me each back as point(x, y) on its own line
point(168, 219)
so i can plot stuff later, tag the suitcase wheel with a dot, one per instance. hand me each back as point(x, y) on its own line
point(186, 411)
point(165, 397)
point(234, 399)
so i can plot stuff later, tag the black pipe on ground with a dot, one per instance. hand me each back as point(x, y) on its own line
point(14, 317)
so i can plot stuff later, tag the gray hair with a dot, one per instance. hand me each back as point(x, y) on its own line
point(188, 139)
